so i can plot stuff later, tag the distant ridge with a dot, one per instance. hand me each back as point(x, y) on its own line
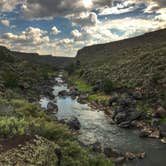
point(103, 50)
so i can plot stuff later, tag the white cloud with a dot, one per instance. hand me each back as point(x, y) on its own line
point(8, 5)
point(55, 30)
point(85, 19)
point(30, 36)
point(5, 23)
point(66, 41)
point(76, 34)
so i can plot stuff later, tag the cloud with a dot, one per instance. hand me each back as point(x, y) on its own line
point(66, 41)
point(76, 34)
point(51, 8)
point(8, 5)
point(55, 30)
point(31, 36)
point(85, 19)
point(5, 23)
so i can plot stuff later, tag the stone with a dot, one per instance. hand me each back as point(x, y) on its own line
point(112, 100)
point(163, 140)
point(120, 117)
point(63, 93)
point(109, 152)
point(119, 160)
point(96, 147)
point(141, 155)
point(155, 122)
point(52, 107)
point(155, 134)
point(125, 124)
point(144, 133)
point(160, 113)
point(130, 156)
point(82, 99)
point(74, 124)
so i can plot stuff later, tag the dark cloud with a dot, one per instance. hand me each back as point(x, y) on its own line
point(52, 8)
point(161, 3)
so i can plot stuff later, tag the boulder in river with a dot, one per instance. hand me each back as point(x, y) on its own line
point(96, 147)
point(63, 93)
point(145, 133)
point(130, 156)
point(82, 99)
point(126, 113)
point(52, 107)
point(155, 134)
point(109, 152)
point(74, 124)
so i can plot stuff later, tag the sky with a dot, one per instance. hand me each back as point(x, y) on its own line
point(62, 27)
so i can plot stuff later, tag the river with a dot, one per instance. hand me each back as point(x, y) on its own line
point(96, 126)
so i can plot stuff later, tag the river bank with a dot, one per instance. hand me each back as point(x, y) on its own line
point(97, 131)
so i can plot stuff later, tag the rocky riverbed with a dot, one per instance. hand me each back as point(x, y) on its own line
point(97, 130)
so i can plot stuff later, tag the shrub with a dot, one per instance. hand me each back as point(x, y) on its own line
point(74, 155)
point(107, 86)
point(71, 68)
point(10, 79)
point(11, 126)
point(83, 86)
point(24, 108)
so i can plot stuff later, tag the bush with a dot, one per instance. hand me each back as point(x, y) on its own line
point(11, 126)
point(25, 109)
point(83, 86)
point(74, 155)
point(107, 86)
point(10, 79)
point(71, 68)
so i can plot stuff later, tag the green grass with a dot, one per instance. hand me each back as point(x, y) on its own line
point(163, 120)
point(98, 97)
point(82, 86)
point(142, 107)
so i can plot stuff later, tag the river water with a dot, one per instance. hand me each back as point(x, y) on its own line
point(96, 126)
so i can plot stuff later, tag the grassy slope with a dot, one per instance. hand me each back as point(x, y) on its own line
point(132, 64)
point(43, 141)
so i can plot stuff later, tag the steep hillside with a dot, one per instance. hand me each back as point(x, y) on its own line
point(137, 65)
point(146, 42)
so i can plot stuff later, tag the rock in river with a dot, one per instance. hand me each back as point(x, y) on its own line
point(74, 124)
point(52, 107)
point(63, 93)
